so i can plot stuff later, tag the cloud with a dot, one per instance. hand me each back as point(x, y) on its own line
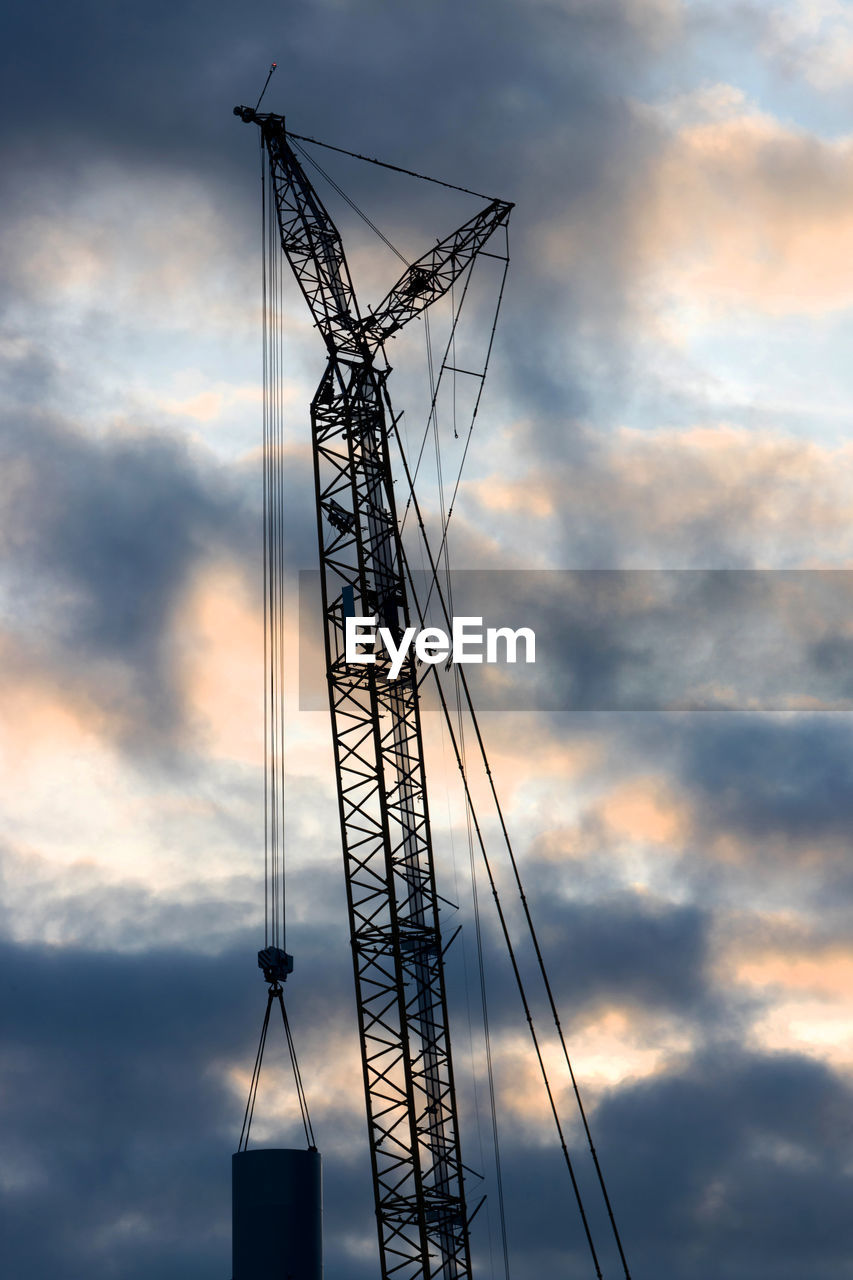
point(744, 210)
point(538, 116)
point(801, 979)
point(813, 41)
point(119, 1117)
point(105, 534)
point(780, 781)
point(621, 949)
point(123, 1096)
point(130, 1109)
point(710, 495)
point(749, 1161)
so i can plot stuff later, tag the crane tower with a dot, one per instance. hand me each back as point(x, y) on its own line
point(392, 900)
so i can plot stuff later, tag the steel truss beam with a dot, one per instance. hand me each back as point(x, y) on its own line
point(391, 891)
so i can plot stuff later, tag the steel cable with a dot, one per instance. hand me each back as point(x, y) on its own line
point(435, 584)
point(507, 939)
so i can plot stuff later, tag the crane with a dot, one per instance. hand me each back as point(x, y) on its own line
point(393, 902)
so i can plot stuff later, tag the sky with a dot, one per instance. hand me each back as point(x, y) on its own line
point(667, 399)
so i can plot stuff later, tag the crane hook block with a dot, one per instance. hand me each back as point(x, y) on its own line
point(276, 964)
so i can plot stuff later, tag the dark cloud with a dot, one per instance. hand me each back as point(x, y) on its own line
point(765, 778)
point(623, 950)
point(782, 779)
point(118, 1124)
point(619, 949)
point(169, 80)
point(117, 1131)
point(744, 1158)
point(732, 1166)
point(103, 535)
point(118, 1128)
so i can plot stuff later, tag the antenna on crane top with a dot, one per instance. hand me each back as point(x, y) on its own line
point(266, 82)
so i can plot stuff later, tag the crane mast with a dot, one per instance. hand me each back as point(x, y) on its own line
point(392, 899)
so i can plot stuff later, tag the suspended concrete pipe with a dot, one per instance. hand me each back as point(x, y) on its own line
point(277, 1215)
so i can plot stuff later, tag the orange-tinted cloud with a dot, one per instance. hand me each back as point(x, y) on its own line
point(742, 209)
point(806, 989)
point(219, 641)
point(646, 810)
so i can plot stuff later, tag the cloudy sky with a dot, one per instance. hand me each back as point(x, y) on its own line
point(669, 392)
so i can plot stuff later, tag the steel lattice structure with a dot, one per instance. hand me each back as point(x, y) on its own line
point(390, 878)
